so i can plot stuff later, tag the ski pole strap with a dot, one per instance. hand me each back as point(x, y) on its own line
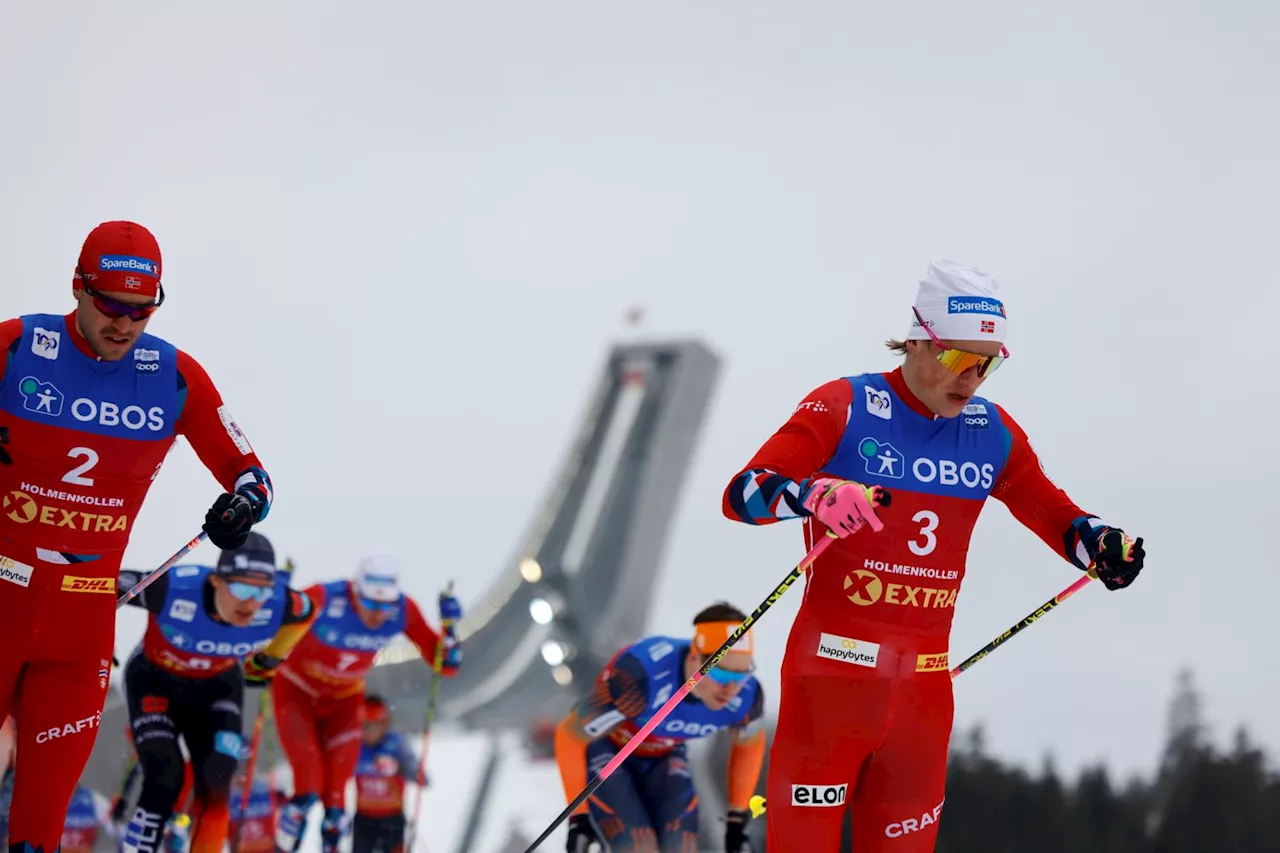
point(707, 665)
point(137, 588)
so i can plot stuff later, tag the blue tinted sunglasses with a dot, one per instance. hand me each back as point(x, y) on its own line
point(377, 606)
point(721, 675)
point(246, 591)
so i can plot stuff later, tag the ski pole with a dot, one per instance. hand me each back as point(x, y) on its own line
point(707, 665)
point(264, 711)
point(758, 803)
point(150, 578)
point(437, 664)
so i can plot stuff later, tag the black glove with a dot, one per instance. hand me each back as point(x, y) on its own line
point(582, 835)
point(735, 832)
point(5, 458)
point(228, 521)
point(1117, 557)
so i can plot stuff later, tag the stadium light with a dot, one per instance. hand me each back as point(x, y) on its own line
point(530, 570)
point(556, 652)
point(541, 611)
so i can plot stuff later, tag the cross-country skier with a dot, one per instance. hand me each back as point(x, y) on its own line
point(86, 816)
point(649, 803)
point(131, 787)
point(186, 679)
point(90, 404)
point(386, 765)
point(869, 645)
point(253, 830)
point(320, 692)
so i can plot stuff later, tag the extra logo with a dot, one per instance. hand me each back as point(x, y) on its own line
point(879, 403)
point(71, 583)
point(864, 588)
point(44, 342)
point(858, 652)
point(20, 507)
point(818, 795)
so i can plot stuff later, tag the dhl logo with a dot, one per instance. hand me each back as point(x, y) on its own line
point(71, 583)
point(931, 663)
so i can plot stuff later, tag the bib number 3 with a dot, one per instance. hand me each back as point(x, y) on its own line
point(928, 521)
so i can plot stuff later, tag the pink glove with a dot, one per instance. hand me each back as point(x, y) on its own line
point(845, 506)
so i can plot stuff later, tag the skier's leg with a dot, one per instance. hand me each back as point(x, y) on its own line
point(215, 742)
point(59, 710)
point(668, 787)
point(339, 731)
point(617, 807)
point(295, 715)
point(900, 802)
point(150, 693)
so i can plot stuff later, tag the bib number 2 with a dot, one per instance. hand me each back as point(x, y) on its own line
point(76, 476)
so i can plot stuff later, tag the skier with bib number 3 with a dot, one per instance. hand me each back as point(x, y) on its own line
point(90, 404)
point(868, 648)
point(649, 804)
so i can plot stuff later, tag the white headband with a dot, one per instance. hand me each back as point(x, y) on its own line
point(958, 303)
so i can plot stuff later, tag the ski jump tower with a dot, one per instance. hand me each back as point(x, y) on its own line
point(579, 584)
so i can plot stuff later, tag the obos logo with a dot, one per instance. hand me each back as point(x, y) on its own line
point(691, 728)
point(881, 458)
point(41, 397)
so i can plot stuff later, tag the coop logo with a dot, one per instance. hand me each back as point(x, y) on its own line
point(975, 416)
point(909, 825)
point(20, 507)
point(43, 398)
point(146, 360)
point(68, 729)
point(858, 652)
point(864, 588)
point(128, 263)
point(974, 305)
point(818, 795)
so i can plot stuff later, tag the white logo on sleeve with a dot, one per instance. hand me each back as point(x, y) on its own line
point(233, 430)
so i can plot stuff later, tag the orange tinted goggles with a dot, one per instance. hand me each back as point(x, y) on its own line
point(958, 360)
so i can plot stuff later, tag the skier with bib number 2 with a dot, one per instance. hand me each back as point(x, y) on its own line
point(649, 803)
point(869, 645)
point(90, 405)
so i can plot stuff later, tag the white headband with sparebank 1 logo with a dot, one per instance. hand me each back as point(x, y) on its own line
point(958, 303)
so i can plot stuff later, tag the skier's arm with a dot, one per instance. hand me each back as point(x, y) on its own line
point(1034, 500)
point(624, 695)
point(746, 755)
point(301, 611)
point(216, 438)
point(10, 335)
point(422, 635)
point(773, 485)
point(409, 765)
point(152, 598)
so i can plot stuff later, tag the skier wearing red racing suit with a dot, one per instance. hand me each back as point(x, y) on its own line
point(866, 704)
point(90, 404)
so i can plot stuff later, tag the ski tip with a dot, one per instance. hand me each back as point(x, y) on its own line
point(757, 805)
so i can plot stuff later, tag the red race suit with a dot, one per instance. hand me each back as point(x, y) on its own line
point(866, 708)
point(84, 440)
point(319, 690)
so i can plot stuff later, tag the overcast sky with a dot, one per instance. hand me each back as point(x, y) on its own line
point(401, 237)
